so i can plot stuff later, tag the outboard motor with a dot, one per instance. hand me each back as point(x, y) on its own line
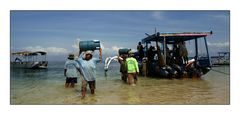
point(172, 72)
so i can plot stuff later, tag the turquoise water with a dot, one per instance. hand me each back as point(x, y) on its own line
point(47, 87)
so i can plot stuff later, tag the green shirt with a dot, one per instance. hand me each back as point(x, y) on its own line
point(132, 65)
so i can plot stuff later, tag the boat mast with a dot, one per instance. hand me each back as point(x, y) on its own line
point(196, 49)
point(207, 50)
point(158, 47)
point(164, 49)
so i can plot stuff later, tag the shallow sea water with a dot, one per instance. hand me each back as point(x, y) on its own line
point(47, 87)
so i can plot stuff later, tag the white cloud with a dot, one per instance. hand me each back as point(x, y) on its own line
point(134, 50)
point(76, 44)
point(216, 47)
point(49, 50)
point(115, 48)
point(218, 44)
point(111, 51)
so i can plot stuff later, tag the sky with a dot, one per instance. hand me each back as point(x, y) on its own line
point(58, 32)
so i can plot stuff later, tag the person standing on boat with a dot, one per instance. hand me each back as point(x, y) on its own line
point(132, 69)
point(140, 51)
point(176, 54)
point(150, 53)
point(71, 69)
point(183, 52)
point(88, 69)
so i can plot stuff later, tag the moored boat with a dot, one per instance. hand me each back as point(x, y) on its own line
point(29, 60)
point(169, 63)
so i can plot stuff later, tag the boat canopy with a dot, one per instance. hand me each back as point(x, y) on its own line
point(175, 37)
point(28, 53)
point(39, 52)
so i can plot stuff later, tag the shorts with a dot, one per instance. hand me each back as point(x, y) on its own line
point(71, 80)
point(135, 77)
point(92, 84)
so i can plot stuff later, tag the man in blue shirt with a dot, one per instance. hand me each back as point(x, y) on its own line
point(88, 70)
point(71, 69)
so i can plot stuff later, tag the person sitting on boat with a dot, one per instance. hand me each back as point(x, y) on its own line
point(183, 52)
point(132, 69)
point(71, 69)
point(88, 67)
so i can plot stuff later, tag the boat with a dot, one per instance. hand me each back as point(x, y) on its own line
point(164, 66)
point(29, 60)
point(223, 58)
point(108, 60)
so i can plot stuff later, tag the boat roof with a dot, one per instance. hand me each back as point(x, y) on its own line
point(175, 37)
point(28, 53)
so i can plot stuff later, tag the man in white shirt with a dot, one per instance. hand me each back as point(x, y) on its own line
point(71, 69)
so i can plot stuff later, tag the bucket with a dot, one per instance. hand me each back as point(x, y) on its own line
point(89, 45)
point(123, 51)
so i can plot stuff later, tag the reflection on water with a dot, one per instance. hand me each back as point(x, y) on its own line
point(47, 87)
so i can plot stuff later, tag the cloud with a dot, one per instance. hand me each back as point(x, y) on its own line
point(49, 50)
point(76, 44)
point(218, 44)
point(110, 51)
point(116, 48)
point(216, 47)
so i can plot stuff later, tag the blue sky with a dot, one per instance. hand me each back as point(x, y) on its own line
point(57, 32)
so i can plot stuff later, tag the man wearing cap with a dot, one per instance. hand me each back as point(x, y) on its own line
point(88, 67)
point(132, 69)
point(71, 69)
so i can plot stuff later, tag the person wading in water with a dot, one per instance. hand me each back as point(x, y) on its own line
point(132, 69)
point(88, 69)
point(71, 69)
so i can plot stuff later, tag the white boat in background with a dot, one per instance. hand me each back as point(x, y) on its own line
point(29, 60)
point(223, 58)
